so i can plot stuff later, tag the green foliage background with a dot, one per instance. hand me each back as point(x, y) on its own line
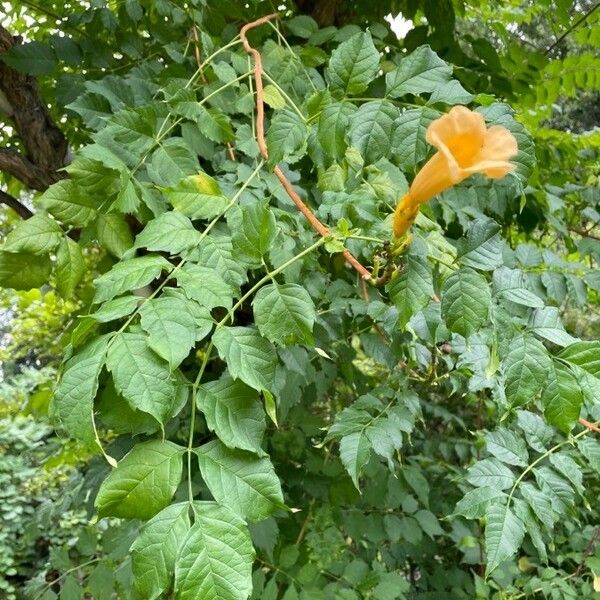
point(237, 414)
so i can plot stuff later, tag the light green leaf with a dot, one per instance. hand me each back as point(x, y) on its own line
point(559, 490)
point(372, 129)
point(590, 448)
point(140, 376)
point(65, 201)
point(504, 534)
point(482, 248)
point(355, 451)
point(285, 314)
point(70, 267)
point(155, 549)
point(129, 275)
point(546, 323)
point(205, 285)
point(116, 308)
point(353, 64)
point(466, 301)
point(215, 558)
point(526, 515)
point(214, 124)
point(408, 142)
point(24, 271)
point(249, 356)
point(234, 412)
point(506, 446)
point(451, 92)
point(509, 284)
point(537, 433)
point(240, 480)
point(273, 97)
point(562, 397)
point(475, 502)
point(197, 197)
point(421, 71)
point(216, 251)
point(569, 469)
point(334, 123)
point(539, 503)
point(170, 232)
point(73, 403)
point(286, 137)
point(412, 289)
point(171, 162)
point(254, 229)
point(170, 326)
point(143, 482)
point(38, 234)
point(114, 233)
point(490, 472)
point(526, 366)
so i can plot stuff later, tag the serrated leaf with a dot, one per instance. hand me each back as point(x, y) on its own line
point(525, 367)
point(273, 97)
point(539, 503)
point(114, 233)
point(171, 162)
point(255, 227)
point(412, 290)
point(558, 490)
point(490, 472)
point(475, 502)
point(537, 433)
point(215, 558)
point(24, 271)
point(205, 285)
point(240, 480)
point(569, 469)
point(372, 129)
point(143, 482)
point(65, 201)
point(421, 71)
point(233, 411)
point(214, 124)
point(525, 514)
point(334, 122)
point(510, 284)
point(216, 251)
point(73, 401)
point(116, 308)
point(249, 356)
point(38, 235)
point(590, 448)
point(70, 267)
point(353, 64)
point(482, 248)
point(155, 549)
point(451, 92)
point(408, 142)
point(466, 301)
point(197, 197)
point(170, 232)
point(129, 275)
point(285, 314)
point(506, 446)
point(504, 534)
point(355, 451)
point(33, 58)
point(562, 397)
point(140, 376)
point(170, 326)
point(286, 137)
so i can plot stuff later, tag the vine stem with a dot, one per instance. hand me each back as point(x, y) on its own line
point(262, 145)
point(590, 426)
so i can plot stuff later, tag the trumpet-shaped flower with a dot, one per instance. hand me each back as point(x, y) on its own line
point(465, 147)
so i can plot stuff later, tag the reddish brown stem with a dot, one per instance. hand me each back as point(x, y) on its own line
point(197, 53)
point(321, 229)
point(590, 426)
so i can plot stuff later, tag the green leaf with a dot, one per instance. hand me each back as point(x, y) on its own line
point(240, 480)
point(143, 482)
point(70, 267)
point(509, 284)
point(285, 314)
point(273, 97)
point(490, 472)
point(171, 328)
point(38, 234)
point(140, 376)
point(66, 202)
point(155, 549)
point(372, 129)
point(233, 411)
point(451, 92)
point(355, 451)
point(334, 122)
point(569, 469)
point(353, 65)
point(215, 125)
point(23, 271)
point(73, 402)
point(412, 290)
point(546, 323)
point(475, 502)
point(408, 142)
point(466, 301)
point(506, 446)
point(504, 534)
point(129, 275)
point(556, 488)
point(249, 356)
point(114, 233)
point(197, 197)
point(526, 366)
point(205, 285)
point(539, 503)
point(254, 229)
point(590, 448)
point(116, 308)
point(482, 248)
point(216, 251)
point(33, 58)
point(170, 232)
point(286, 137)
point(562, 397)
point(171, 162)
point(525, 514)
point(537, 433)
point(215, 558)
point(421, 71)
point(585, 355)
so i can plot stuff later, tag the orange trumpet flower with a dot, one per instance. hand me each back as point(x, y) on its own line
point(465, 146)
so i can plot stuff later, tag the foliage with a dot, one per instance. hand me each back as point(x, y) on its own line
point(266, 423)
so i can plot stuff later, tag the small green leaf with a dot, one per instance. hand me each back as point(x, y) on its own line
point(475, 502)
point(143, 482)
point(197, 197)
point(504, 534)
point(506, 446)
point(490, 472)
point(355, 451)
point(285, 314)
point(114, 233)
point(240, 480)
point(372, 129)
point(205, 285)
point(33, 58)
point(408, 142)
point(38, 234)
point(70, 267)
point(286, 137)
point(334, 123)
point(24, 271)
point(171, 162)
point(255, 227)
point(482, 248)
point(562, 397)
point(116, 308)
point(170, 232)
